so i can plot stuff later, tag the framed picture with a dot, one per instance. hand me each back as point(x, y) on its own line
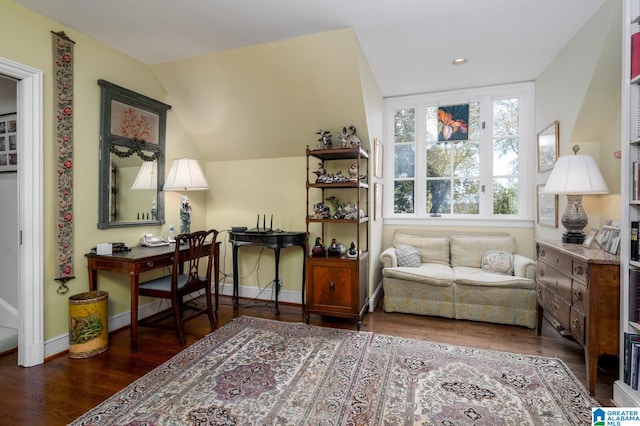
point(547, 208)
point(548, 142)
point(588, 241)
point(8, 143)
point(377, 201)
point(609, 238)
point(378, 154)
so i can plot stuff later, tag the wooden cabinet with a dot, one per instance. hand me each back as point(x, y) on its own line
point(580, 288)
point(337, 285)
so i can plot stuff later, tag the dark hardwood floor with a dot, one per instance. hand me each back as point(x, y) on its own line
point(62, 389)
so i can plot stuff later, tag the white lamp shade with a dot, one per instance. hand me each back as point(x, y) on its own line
point(576, 174)
point(147, 176)
point(185, 175)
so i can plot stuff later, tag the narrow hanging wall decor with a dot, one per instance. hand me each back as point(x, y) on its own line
point(63, 119)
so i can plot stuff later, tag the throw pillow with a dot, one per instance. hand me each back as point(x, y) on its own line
point(408, 256)
point(498, 262)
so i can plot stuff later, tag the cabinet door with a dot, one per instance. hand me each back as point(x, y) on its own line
point(331, 286)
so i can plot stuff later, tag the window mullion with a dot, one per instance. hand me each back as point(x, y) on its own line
point(421, 161)
point(486, 157)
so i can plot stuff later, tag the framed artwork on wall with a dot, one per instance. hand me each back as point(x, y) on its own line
point(547, 208)
point(377, 201)
point(8, 143)
point(378, 153)
point(548, 141)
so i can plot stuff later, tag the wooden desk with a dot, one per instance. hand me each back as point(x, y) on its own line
point(274, 240)
point(141, 259)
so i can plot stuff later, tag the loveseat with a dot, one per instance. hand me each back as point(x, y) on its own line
point(474, 276)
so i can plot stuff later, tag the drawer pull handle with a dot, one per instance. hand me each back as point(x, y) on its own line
point(579, 270)
point(542, 253)
point(542, 273)
point(577, 295)
point(149, 263)
point(332, 285)
point(574, 323)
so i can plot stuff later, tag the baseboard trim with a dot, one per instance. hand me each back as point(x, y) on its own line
point(59, 344)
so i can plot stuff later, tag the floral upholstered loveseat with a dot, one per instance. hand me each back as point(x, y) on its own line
point(472, 276)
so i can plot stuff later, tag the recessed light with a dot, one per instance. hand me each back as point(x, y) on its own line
point(459, 61)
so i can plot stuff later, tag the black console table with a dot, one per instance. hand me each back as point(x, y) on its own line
point(275, 240)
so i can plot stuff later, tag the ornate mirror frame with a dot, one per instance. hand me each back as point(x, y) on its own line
point(132, 130)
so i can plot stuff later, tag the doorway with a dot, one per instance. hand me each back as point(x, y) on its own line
point(30, 210)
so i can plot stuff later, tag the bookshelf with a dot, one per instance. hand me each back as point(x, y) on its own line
point(623, 393)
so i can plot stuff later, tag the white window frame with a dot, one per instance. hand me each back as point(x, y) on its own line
point(526, 199)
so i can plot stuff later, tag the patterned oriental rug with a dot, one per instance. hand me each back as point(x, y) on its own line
point(261, 372)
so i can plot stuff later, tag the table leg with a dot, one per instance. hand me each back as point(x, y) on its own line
point(93, 279)
point(216, 271)
point(277, 284)
point(236, 292)
point(134, 282)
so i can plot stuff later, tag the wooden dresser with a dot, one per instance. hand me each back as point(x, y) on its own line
point(580, 288)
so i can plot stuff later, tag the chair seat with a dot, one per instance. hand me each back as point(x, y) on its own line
point(164, 283)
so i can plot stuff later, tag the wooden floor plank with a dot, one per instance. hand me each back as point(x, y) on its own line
point(62, 389)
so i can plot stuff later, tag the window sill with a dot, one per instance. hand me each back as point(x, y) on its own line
point(449, 221)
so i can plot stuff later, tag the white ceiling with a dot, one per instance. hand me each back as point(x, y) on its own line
point(409, 44)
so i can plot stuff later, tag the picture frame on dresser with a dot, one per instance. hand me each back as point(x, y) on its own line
point(588, 241)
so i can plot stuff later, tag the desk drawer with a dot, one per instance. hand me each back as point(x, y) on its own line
point(155, 263)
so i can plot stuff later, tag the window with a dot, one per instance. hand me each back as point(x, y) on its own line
point(458, 155)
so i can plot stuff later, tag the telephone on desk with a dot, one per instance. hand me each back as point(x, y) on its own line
point(151, 241)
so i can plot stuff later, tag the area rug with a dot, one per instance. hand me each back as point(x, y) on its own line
point(261, 372)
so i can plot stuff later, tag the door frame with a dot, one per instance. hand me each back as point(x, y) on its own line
point(30, 211)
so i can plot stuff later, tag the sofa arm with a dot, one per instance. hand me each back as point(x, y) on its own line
point(524, 267)
point(389, 258)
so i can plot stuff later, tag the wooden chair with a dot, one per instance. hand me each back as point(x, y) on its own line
point(184, 280)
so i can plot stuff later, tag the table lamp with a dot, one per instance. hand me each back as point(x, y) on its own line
point(147, 179)
point(575, 175)
point(185, 175)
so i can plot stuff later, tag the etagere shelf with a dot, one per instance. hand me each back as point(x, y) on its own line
point(337, 284)
point(623, 393)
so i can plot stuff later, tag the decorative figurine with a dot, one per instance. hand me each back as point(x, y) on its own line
point(325, 138)
point(352, 250)
point(355, 141)
point(353, 172)
point(321, 173)
point(333, 249)
point(335, 204)
point(318, 248)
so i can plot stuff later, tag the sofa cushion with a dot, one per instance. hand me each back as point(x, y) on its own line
point(408, 256)
point(468, 250)
point(498, 262)
point(464, 275)
point(428, 273)
point(432, 249)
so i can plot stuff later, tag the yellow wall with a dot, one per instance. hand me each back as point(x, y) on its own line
point(27, 39)
point(581, 89)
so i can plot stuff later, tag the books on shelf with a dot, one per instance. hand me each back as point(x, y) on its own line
point(635, 243)
point(635, 55)
point(631, 358)
point(635, 196)
point(634, 294)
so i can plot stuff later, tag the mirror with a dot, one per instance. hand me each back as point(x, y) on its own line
point(132, 148)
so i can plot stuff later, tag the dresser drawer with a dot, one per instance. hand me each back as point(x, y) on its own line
point(577, 321)
point(560, 310)
point(579, 296)
point(557, 281)
point(555, 259)
point(579, 271)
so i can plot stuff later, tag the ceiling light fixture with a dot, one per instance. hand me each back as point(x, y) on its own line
point(459, 61)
